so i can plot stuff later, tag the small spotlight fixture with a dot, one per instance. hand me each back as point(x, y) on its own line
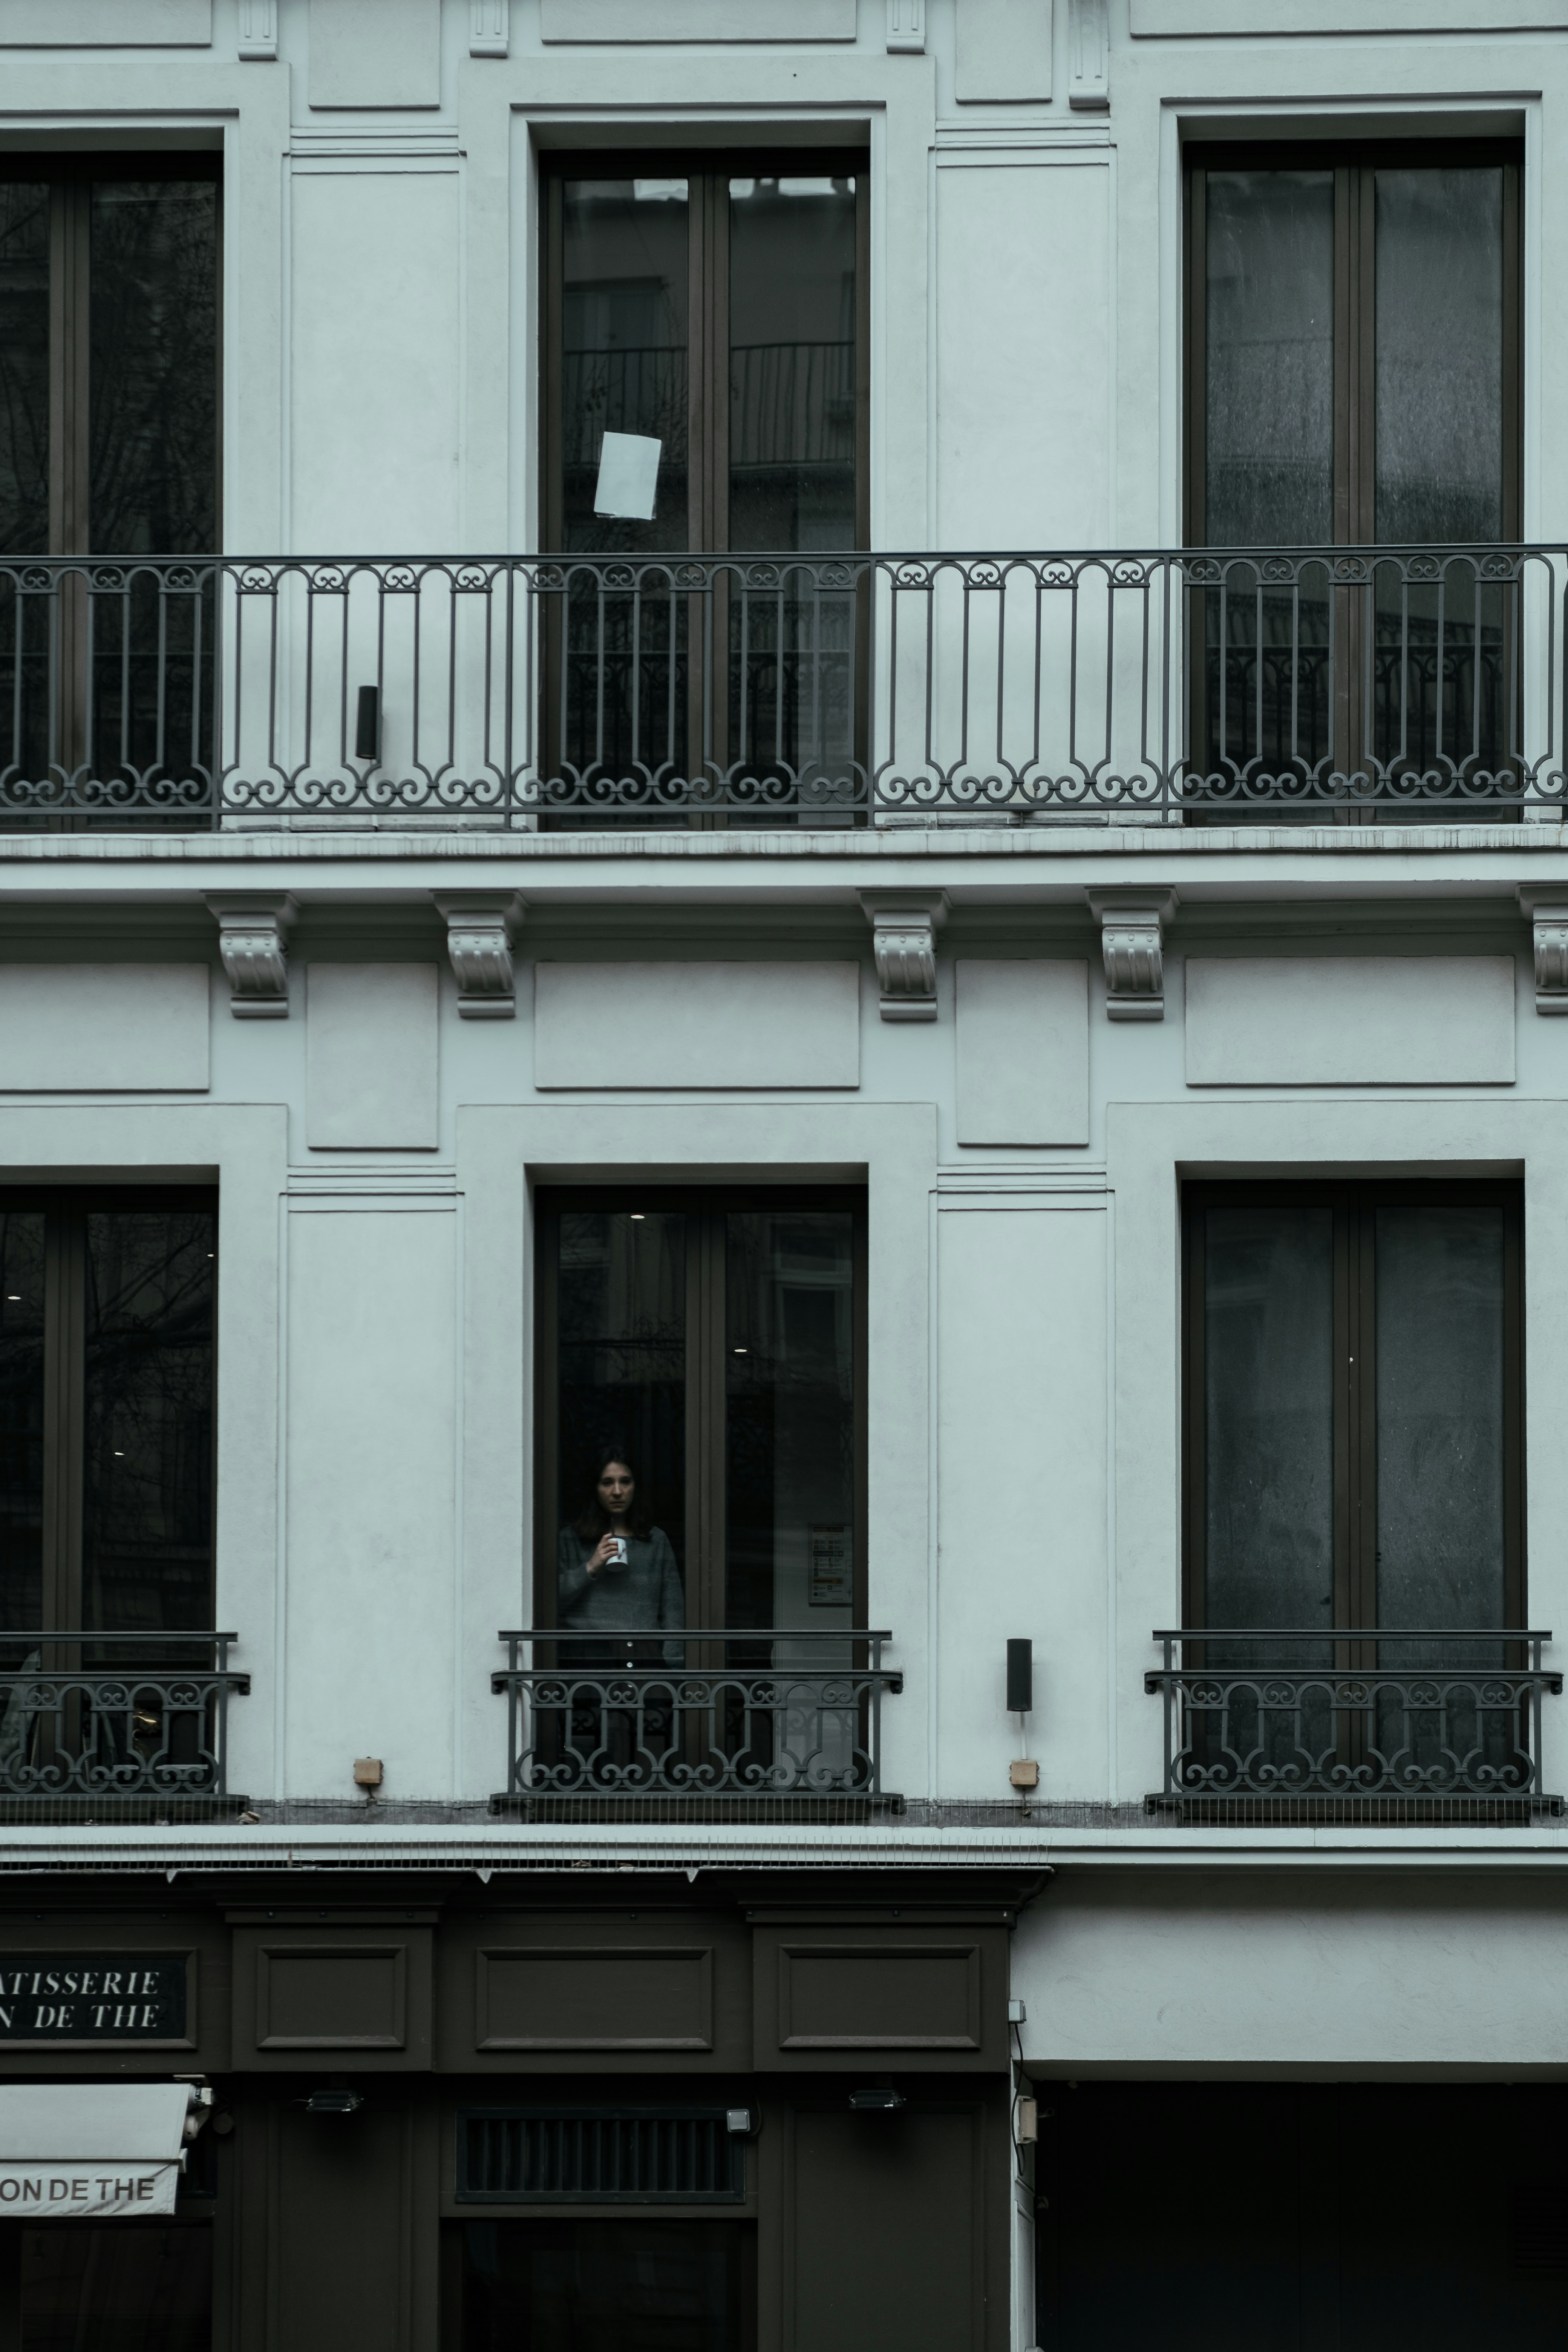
point(333, 2103)
point(875, 2098)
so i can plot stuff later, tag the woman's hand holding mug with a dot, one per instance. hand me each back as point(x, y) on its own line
point(610, 1551)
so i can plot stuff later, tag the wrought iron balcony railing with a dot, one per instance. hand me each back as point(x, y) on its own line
point(819, 688)
point(111, 1719)
point(1364, 1719)
point(715, 1712)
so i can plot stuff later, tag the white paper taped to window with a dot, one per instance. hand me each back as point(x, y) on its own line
point(628, 477)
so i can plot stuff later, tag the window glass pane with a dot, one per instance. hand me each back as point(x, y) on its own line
point(24, 368)
point(621, 1370)
point(154, 408)
point(1440, 1448)
point(626, 2285)
point(623, 310)
point(1440, 355)
point(137, 2288)
point(792, 363)
point(1269, 1416)
point(1271, 359)
point(789, 1381)
point(147, 1466)
point(21, 1419)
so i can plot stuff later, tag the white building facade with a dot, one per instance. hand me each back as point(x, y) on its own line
point(816, 746)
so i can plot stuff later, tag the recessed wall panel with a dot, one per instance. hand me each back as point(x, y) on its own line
point(1309, 1020)
point(371, 1057)
point(1023, 404)
point(1022, 1050)
point(696, 1024)
point(104, 1028)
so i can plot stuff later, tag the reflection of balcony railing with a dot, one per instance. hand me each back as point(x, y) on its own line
point(1360, 1722)
point(724, 1713)
point(805, 688)
point(108, 1719)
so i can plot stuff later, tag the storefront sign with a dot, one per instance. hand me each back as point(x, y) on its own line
point(92, 1997)
point(79, 2192)
point(76, 2151)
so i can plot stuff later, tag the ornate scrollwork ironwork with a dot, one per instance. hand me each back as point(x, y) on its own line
point(1241, 1722)
point(754, 1726)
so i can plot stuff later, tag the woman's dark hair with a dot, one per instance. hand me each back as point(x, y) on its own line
point(593, 1521)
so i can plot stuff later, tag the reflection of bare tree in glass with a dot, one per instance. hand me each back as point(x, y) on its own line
point(147, 1505)
point(154, 366)
point(21, 1418)
point(24, 368)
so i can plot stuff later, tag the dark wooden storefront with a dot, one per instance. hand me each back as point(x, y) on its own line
point(381, 2053)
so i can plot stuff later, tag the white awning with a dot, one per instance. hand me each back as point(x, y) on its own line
point(81, 2150)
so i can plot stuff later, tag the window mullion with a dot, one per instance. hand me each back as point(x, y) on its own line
point(70, 219)
point(65, 1282)
point(707, 1599)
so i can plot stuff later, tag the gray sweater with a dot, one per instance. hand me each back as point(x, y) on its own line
point(646, 1591)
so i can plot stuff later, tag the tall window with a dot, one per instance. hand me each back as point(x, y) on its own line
point(1354, 1448)
point(106, 1412)
point(1353, 378)
point(108, 442)
point(704, 390)
point(719, 1340)
point(107, 355)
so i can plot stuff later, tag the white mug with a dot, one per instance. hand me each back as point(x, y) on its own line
point(617, 1552)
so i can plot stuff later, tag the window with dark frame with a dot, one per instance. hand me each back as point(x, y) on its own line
point(704, 390)
point(720, 1337)
point(109, 355)
point(107, 1413)
point(1354, 1405)
point(110, 282)
point(1353, 378)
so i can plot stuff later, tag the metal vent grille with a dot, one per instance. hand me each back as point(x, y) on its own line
point(1538, 2228)
point(593, 2156)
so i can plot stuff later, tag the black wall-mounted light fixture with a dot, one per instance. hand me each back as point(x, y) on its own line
point(333, 2103)
point(1023, 1773)
point(367, 724)
point(875, 2098)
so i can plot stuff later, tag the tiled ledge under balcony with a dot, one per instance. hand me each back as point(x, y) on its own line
point(815, 691)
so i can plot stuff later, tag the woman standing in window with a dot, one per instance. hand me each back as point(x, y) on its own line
point(614, 1566)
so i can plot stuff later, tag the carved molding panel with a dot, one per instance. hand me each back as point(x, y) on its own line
point(1132, 939)
point(480, 928)
point(252, 940)
point(1546, 911)
point(907, 25)
point(904, 925)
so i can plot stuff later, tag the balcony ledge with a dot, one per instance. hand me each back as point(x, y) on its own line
point(880, 845)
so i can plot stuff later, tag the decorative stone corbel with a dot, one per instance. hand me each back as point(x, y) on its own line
point(481, 927)
point(1089, 56)
point(258, 28)
point(1131, 933)
point(252, 940)
point(490, 29)
point(907, 25)
point(1546, 911)
point(904, 925)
